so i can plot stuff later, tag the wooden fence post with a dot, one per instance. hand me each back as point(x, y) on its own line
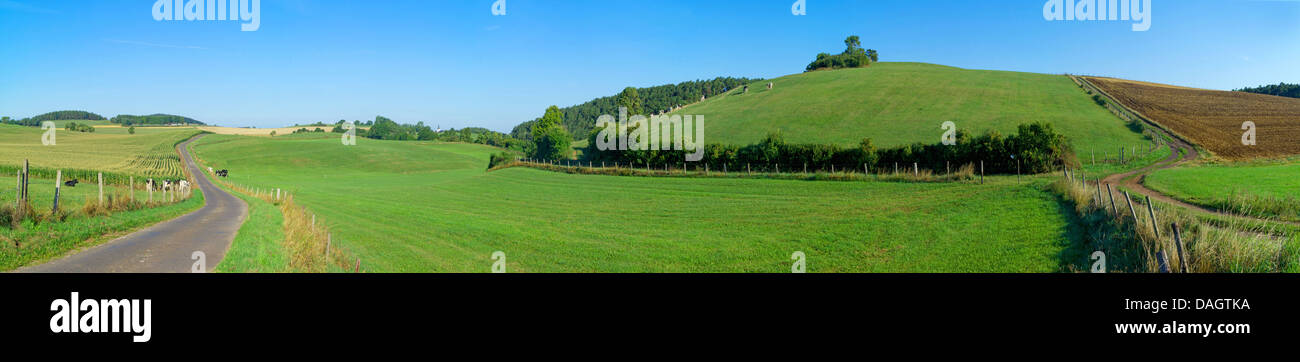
point(58, 181)
point(1111, 193)
point(916, 169)
point(1178, 241)
point(1155, 225)
point(1162, 261)
point(27, 176)
point(132, 187)
point(981, 172)
point(329, 240)
point(864, 169)
point(1101, 203)
point(1131, 210)
point(101, 188)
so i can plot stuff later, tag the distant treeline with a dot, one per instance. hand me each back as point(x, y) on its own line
point(1038, 147)
point(383, 128)
point(53, 116)
point(580, 119)
point(1280, 89)
point(153, 120)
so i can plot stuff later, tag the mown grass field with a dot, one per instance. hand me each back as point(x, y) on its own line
point(902, 103)
point(1266, 185)
point(425, 207)
point(1213, 119)
point(149, 152)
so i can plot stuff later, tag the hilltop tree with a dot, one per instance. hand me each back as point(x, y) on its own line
point(550, 140)
point(630, 99)
point(852, 57)
point(131, 130)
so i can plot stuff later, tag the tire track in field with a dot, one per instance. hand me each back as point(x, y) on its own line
point(168, 246)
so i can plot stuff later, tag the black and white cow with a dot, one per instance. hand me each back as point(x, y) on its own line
point(71, 183)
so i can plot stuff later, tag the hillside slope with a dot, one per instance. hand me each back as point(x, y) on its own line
point(901, 103)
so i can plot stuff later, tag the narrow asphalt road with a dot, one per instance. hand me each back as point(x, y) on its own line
point(168, 246)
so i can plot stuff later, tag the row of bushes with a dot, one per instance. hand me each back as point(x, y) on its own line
point(1035, 148)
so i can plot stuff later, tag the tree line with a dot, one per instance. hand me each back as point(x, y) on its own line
point(52, 116)
point(153, 120)
point(1035, 148)
point(578, 120)
point(1280, 89)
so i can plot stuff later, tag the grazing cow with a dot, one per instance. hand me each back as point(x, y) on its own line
point(151, 184)
point(71, 183)
point(184, 185)
point(166, 185)
point(223, 173)
point(210, 170)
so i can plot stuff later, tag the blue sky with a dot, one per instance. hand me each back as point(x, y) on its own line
point(452, 63)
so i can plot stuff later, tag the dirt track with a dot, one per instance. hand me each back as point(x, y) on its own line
point(168, 246)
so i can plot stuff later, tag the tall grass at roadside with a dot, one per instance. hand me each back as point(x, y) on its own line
point(1131, 245)
point(305, 240)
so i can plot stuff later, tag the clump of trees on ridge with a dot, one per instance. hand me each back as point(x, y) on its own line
point(852, 57)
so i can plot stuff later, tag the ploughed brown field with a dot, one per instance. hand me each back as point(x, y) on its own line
point(1213, 119)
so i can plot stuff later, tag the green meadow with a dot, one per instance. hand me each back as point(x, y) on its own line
point(430, 207)
point(902, 103)
point(1261, 189)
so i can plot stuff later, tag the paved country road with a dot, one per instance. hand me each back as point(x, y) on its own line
point(168, 246)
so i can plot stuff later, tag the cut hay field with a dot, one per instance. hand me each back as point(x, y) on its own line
point(149, 153)
point(902, 103)
point(427, 207)
point(1213, 119)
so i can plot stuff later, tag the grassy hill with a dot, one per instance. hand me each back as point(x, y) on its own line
point(429, 207)
point(901, 103)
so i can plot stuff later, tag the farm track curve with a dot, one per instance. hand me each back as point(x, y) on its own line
point(168, 246)
point(1133, 180)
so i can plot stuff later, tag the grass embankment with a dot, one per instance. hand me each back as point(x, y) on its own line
point(429, 207)
point(1131, 244)
point(1267, 190)
point(81, 222)
point(902, 103)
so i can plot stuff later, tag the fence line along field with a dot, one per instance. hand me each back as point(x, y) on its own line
point(148, 153)
point(1213, 119)
point(432, 207)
